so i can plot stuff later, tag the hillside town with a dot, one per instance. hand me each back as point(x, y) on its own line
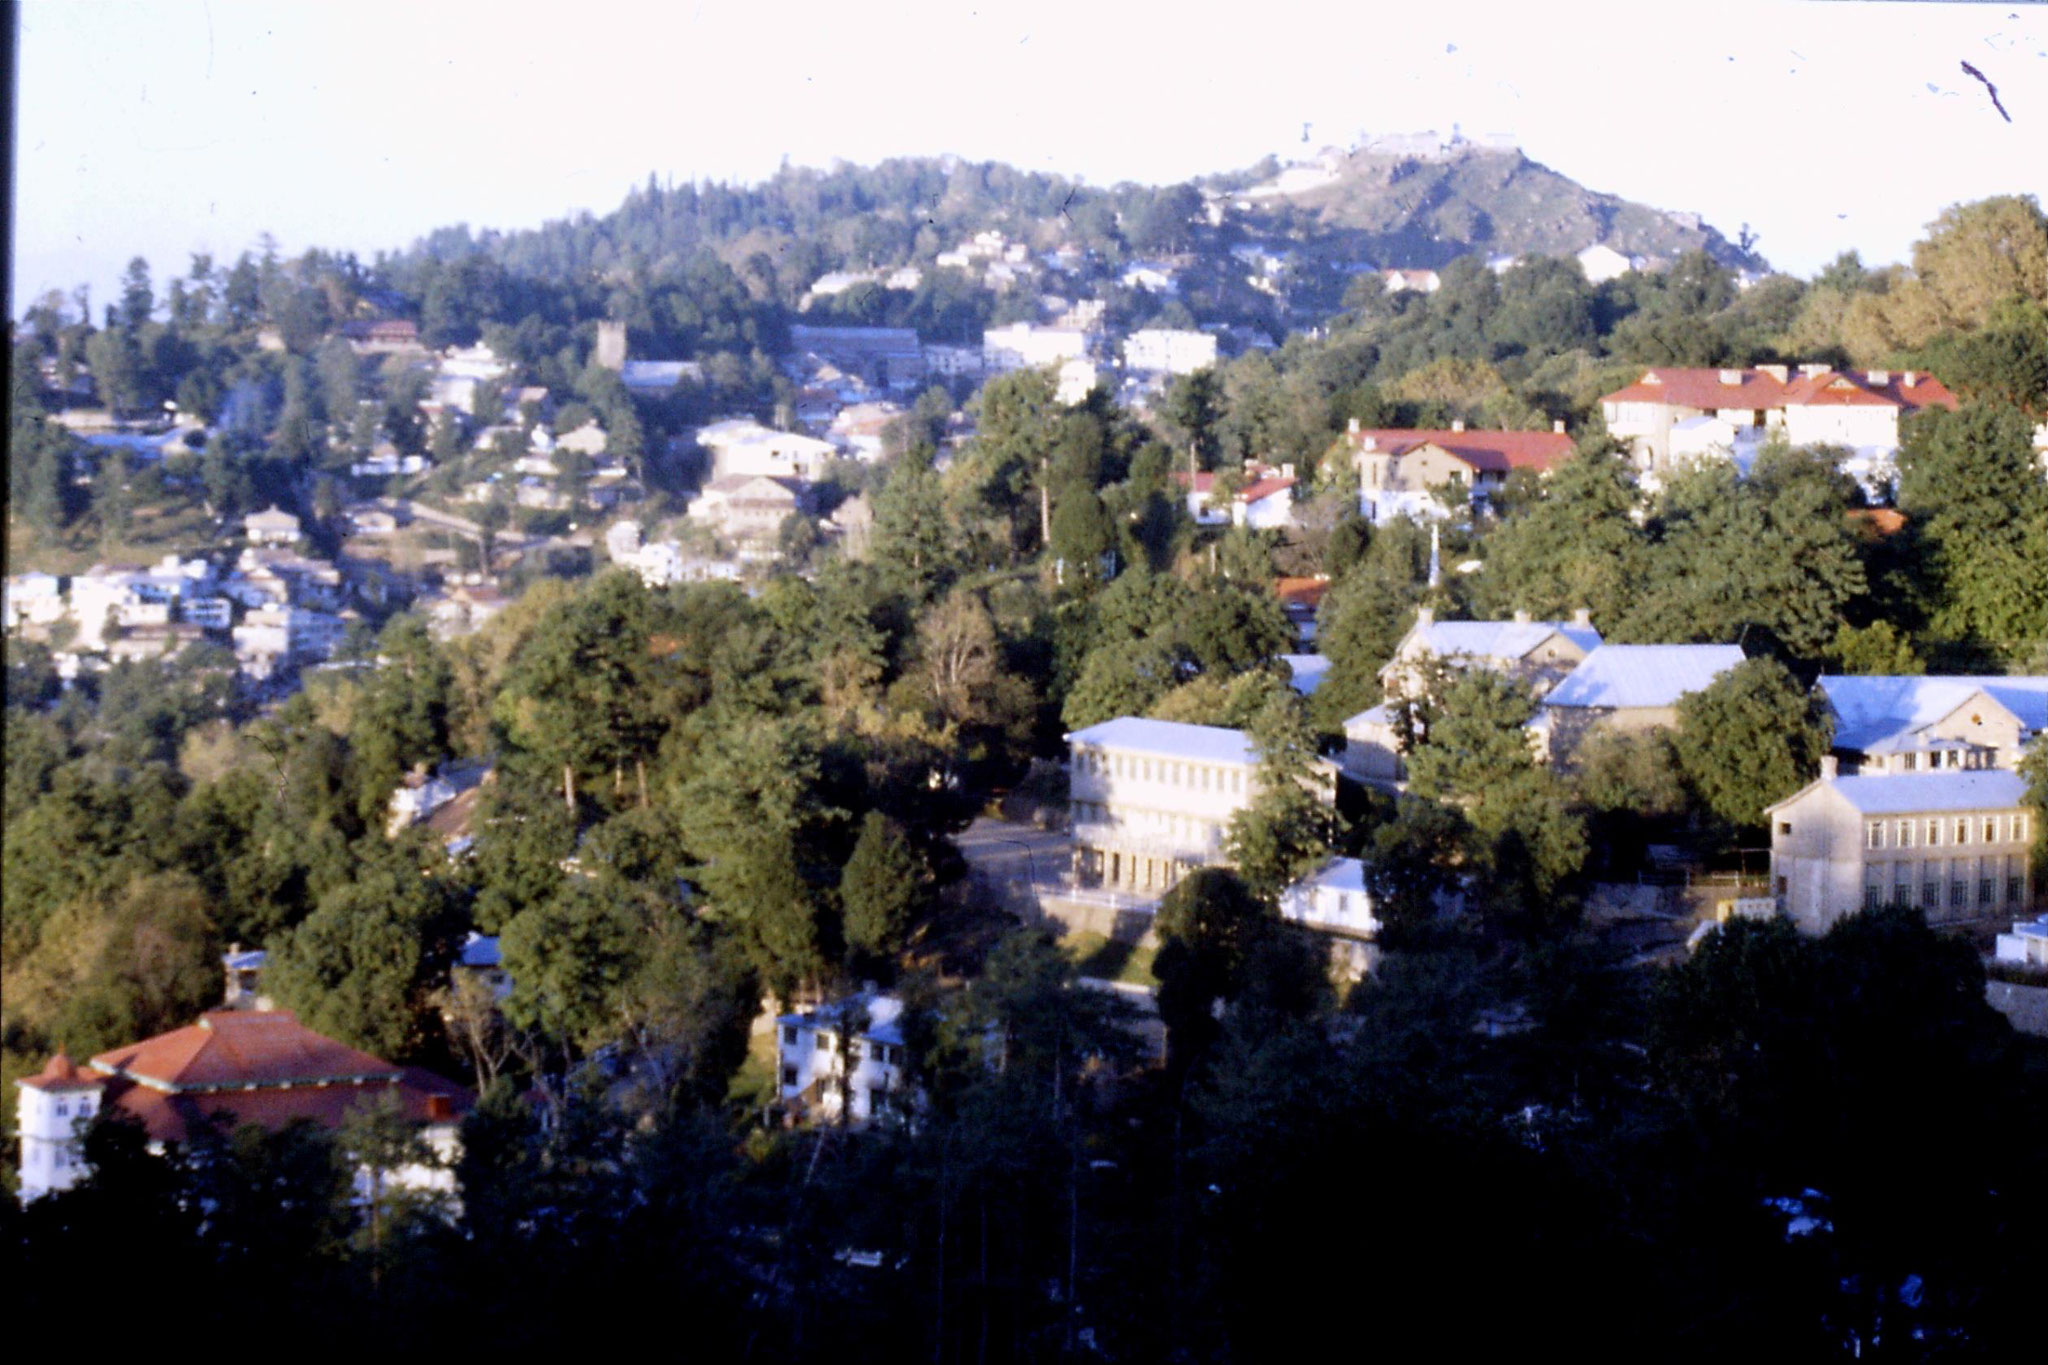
point(947, 780)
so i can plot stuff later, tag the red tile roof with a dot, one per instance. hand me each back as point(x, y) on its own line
point(1490, 451)
point(422, 1098)
point(1759, 389)
point(262, 1067)
point(1265, 487)
point(1301, 592)
point(241, 1048)
point(60, 1074)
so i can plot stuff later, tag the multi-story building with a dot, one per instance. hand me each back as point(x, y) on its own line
point(844, 1057)
point(1021, 346)
point(1399, 468)
point(1955, 844)
point(1169, 350)
point(1818, 404)
point(232, 1067)
point(1151, 800)
point(741, 447)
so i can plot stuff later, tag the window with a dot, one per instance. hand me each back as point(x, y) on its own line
point(1987, 887)
point(1873, 891)
point(789, 1076)
point(1990, 829)
point(854, 1050)
point(1934, 833)
point(1930, 890)
point(1958, 891)
point(824, 1043)
point(1962, 831)
point(1905, 834)
point(1784, 827)
point(789, 1036)
point(1909, 761)
point(1902, 884)
point(2019, 828)
point(1873, 834)
point(63, 1109)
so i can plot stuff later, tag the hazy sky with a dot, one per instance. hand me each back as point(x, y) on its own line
point(165, 128)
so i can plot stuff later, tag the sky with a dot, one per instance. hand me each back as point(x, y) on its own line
point(164, 127)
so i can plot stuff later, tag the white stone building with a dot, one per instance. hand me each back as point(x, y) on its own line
point(1021, 346)
point(1151, 800)
point(741, 447)
point(1955, 844)
point(1333, 899)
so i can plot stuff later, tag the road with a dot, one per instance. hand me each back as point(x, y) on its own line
point(1015, 854)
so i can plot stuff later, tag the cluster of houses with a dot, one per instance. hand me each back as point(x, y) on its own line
point(1919, 803)
point(279, 608)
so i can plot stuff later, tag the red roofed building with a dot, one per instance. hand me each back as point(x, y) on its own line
point(1264, 501)
point(1397, 466)
point(234, 1067)
point(1812, 405)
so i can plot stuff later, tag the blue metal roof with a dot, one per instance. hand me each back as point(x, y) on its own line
point(1910, 793)
point(1170, 739)
point(1626, 676)
point(1875, 714)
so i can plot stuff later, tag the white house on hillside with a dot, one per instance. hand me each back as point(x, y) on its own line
point(844, 1057)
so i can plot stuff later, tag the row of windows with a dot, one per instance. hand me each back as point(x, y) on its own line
point(1936, 759)
point(886, 1053)
point(1968, 882)
point(1961, 829)
point(1174, 773)
point(1160, 823)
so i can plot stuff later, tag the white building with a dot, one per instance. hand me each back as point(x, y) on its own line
point(34, 599)
point(1819, 405)
point(1625, 689)
point(241, 1066)
point(1334, 899)
point(1933, 723)
point(656, 378)
point(1150, 800)
point(2026, 944)
point(847, 1056)
point(1021, 346)
point(1602, 262)
point(1536, 652)
point(1955, 844)
point(742, 448)
point(272, 526)
point(1167, 350)
point(473, 362)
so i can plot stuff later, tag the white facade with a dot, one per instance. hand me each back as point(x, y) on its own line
point(51, 1110)
point(1151, 800)
point(2026, 944)
point(1955, 844)
point(847, 1056)
point(1163, 350)
point(740, 447)
point(35, 599)
point(272, 527)
point(1334, 899)
point(1020, 346)
point(1602, 263)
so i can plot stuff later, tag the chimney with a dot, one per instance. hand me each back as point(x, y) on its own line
point(1810, 370)
point(1880, 378)
point(1781, 373)
point(1909, 377)
point(1557, 425)
point(1457, 424)
point(1829, 768)
point(1425, 616)
point(1286, 471)
point(1353, 426)
point(1582, 618)
point(1731, 377)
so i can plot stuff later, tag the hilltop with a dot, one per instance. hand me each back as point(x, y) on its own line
point(1415, 200)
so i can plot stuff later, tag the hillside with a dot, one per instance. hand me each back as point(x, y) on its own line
point(1414, 202)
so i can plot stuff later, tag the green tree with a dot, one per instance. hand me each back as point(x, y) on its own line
point(365, 965)
point(1291, 825)
point(885, 893)
point(1751, 737)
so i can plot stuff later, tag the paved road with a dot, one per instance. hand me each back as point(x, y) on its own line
point(1007, 852)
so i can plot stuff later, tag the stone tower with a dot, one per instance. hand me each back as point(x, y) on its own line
point(611, 345)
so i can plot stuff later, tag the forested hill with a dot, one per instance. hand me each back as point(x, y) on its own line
point(1425, 207)
point(1367, 206)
